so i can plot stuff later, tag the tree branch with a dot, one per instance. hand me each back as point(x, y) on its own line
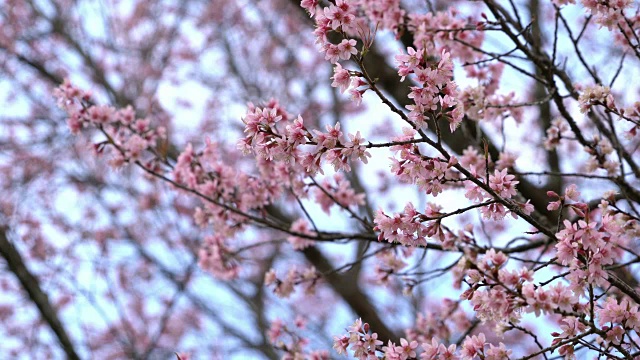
point(32, 286)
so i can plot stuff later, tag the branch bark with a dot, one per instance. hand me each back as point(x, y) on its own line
point(31, 285)
point(346, 285)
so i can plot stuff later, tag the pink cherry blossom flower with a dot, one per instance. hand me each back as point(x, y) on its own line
point(341, 78)
point(499, 352)
point(356, 96)
point(406, 349)
point(332, 53)
point(472, 346)
point(347, 48)
point(310, 6)
point(300, 226)
point(503, 183)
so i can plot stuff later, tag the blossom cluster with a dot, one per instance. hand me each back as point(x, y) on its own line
point(412, 227)
point(301, 226)
point(364, 345)
point(607, 13)
point(480, 103)
point(587, 247)
point(500, 182)
point(431, 174)
point(229, 195)
point(632, 115)
point(441, 321)
point(203, 172)
point(600, 150)
point(503, 185)
point(501, 295)
point(388, 263)
point(436, 96)
point(595, 95)
point(342, 79)
point(555, 133)
point(130, 136)
point(598, 95)
point(284, 287)
point(337, 192)
point(437, 31)
point(291, 343)
point(339, 17)
point(360, 340)
point(216, 257)
point(270, 135)
point(451, 37)
point(617, 319)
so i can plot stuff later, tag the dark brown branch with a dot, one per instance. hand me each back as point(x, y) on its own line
point(345, 285)
point(31, 285)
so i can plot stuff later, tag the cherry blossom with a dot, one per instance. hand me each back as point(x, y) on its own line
point(311, 209)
